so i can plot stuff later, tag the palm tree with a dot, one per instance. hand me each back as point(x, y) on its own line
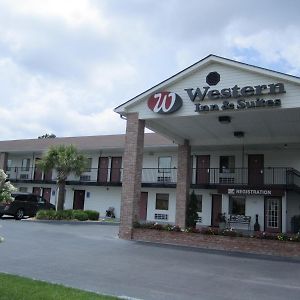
point(65, 160)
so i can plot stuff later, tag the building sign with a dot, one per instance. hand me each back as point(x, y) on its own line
point(164, 102)
point(252, 192)
point(198, 95)
point(231, 98)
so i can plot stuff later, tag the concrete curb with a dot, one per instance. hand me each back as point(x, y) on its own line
point(71, 222)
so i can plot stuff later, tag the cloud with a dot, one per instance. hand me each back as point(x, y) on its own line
point(64, 65)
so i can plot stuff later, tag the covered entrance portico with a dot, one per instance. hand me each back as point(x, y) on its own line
point(236, 127)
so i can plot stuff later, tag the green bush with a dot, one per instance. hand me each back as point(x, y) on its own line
point(92, 215)
point(64, 214)
point(80, 215)
point(46, 215)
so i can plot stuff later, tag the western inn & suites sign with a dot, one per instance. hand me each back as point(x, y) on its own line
point(169, 102)
point(238, 93)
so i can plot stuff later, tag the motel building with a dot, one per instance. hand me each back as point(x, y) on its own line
point(226, 130)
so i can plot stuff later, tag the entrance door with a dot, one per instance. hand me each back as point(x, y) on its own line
point(36, 191)
point(256, 169)
point(202, 169)
point(216, 209)
point(116, 163)
point(273, 214)
point(48, 175)
point(46, 194)
point(38, 174)
point(143, 206)
point(103, 169)
point(78, 202)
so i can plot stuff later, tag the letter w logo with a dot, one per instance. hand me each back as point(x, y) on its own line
point(164, 102)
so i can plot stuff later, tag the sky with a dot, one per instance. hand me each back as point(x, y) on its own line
point(66, 64)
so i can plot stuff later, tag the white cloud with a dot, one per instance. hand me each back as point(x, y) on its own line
point(64, 65)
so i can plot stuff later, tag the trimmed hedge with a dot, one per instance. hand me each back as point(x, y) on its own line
point(80, 215)
point(69, 214)
point(92, 215)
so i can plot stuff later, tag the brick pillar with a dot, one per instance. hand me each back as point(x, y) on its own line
point(183, 183)
point(132, 174)
point(3, 161)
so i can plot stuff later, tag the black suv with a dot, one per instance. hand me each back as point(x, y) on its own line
point(24, 204)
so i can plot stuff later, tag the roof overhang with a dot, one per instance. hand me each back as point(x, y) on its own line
point(276, 120)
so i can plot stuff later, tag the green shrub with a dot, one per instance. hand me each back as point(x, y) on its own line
point(191, 212)
point(64, 215)
point(46, 215)
point(92, 215)
point(80, 215)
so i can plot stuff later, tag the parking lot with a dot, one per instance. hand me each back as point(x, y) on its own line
point(91, 257)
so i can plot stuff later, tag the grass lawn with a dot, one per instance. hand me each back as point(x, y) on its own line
point(16, 287)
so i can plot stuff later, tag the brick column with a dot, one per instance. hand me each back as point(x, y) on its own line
point(183, 183)
point(3, 161)
point(132, 174)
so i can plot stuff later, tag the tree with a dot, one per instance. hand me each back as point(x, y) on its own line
point(47, 136)
point(65, 160)
point(6, 188)
point(191, 212)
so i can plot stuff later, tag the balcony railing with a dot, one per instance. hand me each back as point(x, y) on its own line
point(241, 176)
point(168, 176)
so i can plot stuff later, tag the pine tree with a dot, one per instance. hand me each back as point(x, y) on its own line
point(191, 212)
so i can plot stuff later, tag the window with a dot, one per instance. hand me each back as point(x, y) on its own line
point(199, 203)
point(162, 201)
point(164, 164)
point(9, 162)
point(25, 164)
point(237, 205)
point(88, 165)
point(227, 164)
point(23, 189)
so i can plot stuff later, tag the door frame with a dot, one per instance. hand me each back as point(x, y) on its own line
point(115, 171)
point(43, 193)
point(279, 215)
point(146, 200)
point(77, 191)
point(259, 182)
point(212, 207)
point(201, 171)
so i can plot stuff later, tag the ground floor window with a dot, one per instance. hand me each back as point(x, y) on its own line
point(23, 189)
point(237, 205)
point(162, 202)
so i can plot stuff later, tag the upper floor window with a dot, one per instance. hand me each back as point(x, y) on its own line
point(9, 163)
point(88, 165)
point(25, 164)
point(164, 164)
point(227, 164)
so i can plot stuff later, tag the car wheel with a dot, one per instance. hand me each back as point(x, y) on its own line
point(19, 214)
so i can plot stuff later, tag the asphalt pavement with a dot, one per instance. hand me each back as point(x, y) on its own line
point(92, 257)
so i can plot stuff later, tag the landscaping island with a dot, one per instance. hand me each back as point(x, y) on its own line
point(228, 240)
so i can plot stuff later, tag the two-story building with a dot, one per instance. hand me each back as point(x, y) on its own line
point(226, 130)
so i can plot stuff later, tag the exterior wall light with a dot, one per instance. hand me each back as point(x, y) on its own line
point(224, 119)
point(239, 134)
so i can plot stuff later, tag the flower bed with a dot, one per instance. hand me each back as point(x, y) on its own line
point(228, 240)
